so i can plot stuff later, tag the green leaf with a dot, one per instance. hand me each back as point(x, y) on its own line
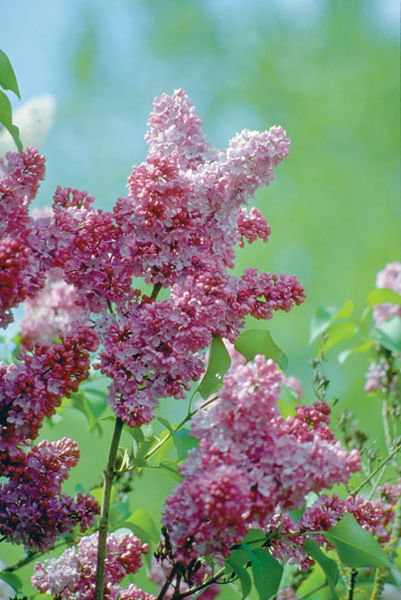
point(338, 331)
point(360, 348)
point(142, 524)
point(266, 571)
point(170, 468)
point(183, 441)
point(6, 120)
point(166, 424)
point(234, 565)
point(321, 321)
point(383, 296)
point(219, 362)
point(345, 312)
point(259, 341)
point(356, 547)
point(8, 80)
point(388, 334)
point(12, 580)
point(328, 565)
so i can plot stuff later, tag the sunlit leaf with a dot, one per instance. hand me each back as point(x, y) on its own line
point(259, 341)
point(8, 80)
point(321, 321)
point(338, 331)
point(143, 525)
point(383, 296)
point(356, 547)
point(219, 362)
point(388, 334)
point(6, 120)
point(360, 348)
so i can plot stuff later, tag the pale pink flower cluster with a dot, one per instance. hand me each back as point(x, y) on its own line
point(231, 482)
point(389, 277)
point(378, 377)
point(72, 575)
point(53, 312)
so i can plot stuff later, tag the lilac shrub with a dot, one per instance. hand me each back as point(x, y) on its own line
point(83, 274)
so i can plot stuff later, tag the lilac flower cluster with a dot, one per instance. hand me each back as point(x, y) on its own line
point(250, 462)
point(75, 267)
point(288, 536)
point(72, 575)
point(21, 273)
point(379, 376)
point(177, 227)
point(31, 389)
point(33, 511)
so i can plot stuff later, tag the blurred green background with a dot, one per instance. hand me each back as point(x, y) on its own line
point(327, 71)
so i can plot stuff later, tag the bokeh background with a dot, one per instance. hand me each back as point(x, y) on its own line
point(327, 71)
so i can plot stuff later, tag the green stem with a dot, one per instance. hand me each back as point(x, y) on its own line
point(187, 418)
point(108, 476)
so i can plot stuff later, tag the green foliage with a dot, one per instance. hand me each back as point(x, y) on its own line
point(259, 341)
point(8, 81)
point(328, 565)
point(388, 334)
point(219, 362)
point(356, 547)
point(12, 579)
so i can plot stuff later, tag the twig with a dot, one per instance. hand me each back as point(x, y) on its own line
point(377, 469)
point(108, 475)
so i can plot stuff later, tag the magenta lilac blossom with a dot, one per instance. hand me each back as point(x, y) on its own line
point(231, 482)
point(33, 511)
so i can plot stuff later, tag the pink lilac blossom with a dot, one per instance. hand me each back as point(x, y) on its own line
point(252, 225)
point(53, 312)
point(150, 352)
point(33, 511)
point(31, 389)
point(72, 575)
point(177, 227)
point(389, 277)
point(21, 273)
point(231, 482)
point(287, 537)
point(378, 377)
point(160, 571)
